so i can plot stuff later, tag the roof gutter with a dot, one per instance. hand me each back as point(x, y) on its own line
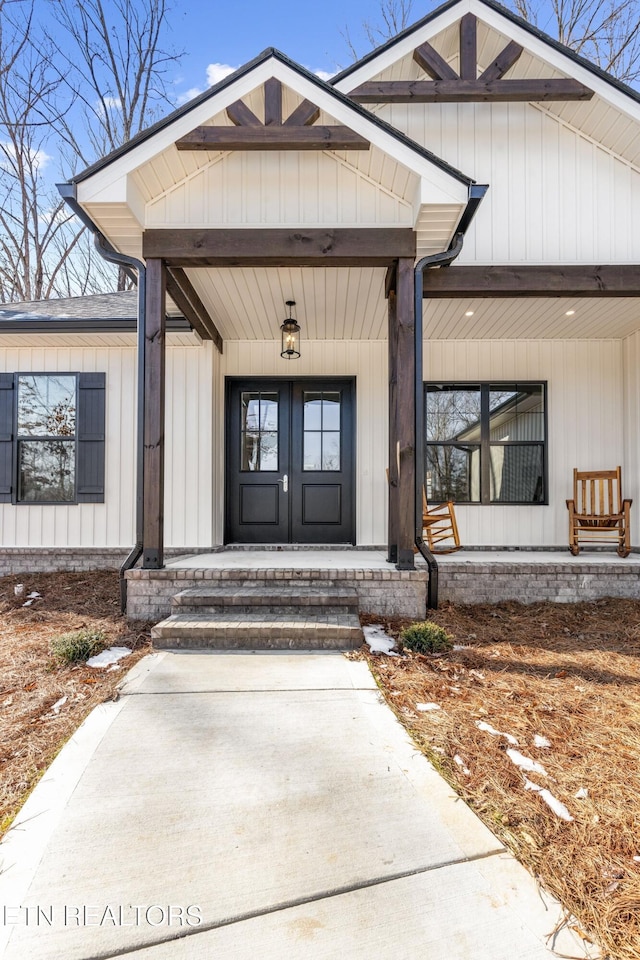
point(444, 259)
point(136, 270)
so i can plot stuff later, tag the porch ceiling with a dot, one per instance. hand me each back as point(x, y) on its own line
point(341, 303)
point(535, 318)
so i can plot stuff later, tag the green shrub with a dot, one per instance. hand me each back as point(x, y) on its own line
point(426, 637)
point(78, 645)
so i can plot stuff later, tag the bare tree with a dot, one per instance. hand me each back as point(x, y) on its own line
point(32, 221)
point(112, 57)
point(393, 16)
point(606, 33)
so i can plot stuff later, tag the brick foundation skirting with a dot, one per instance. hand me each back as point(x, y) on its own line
point(16, 560)
point(391, 593)
point(488, 582)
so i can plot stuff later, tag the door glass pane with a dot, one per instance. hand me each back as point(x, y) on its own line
point(259, 431)
point(453, 473)
point(312, 450)
point(46, 406)
point(331, 411)
point(331, 451)
point(312, 411)
point(268, 451)
point(452, 414)
point(517, 474)
point(516, 413)
point(46, 470)
point(321, 430)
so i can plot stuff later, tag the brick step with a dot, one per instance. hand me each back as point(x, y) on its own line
point(287, 600)
point(312, 630)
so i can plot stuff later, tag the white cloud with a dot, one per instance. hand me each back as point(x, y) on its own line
point(188, 95)
point(217, 72)
point(324, 75)
point(112, 103)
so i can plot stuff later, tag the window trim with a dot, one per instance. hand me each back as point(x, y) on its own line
point(485, 443)
point(16, 441)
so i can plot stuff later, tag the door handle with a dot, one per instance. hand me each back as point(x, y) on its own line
point(285, 483)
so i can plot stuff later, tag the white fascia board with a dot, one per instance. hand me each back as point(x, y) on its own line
point(426, 196)
point(112, 177)
point(404, 47)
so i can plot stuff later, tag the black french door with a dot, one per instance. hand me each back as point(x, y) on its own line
point(290, 461)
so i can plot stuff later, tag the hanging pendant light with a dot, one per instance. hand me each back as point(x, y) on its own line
point(290, 331)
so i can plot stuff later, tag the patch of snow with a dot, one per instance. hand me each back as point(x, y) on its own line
point(636, 859)
point(379, 641)
point(427, 707)
point(27, 603)
point(526, 763)
point(33, 595)
point(459, 646)
point(460, 762)
point(59, 703)
point(558, 808)
point(481, 725)
point(107, 657)
point(541, 742)
point(582, 794)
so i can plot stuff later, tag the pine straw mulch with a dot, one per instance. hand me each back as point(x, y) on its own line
point(31, 681)
point(569, 673)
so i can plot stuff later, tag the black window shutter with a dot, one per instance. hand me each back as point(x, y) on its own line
point(6, 436)
point(91, 419)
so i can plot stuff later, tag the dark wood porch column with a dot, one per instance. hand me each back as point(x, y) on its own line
point(154, 391)
point(392, 534)
point(406, 414)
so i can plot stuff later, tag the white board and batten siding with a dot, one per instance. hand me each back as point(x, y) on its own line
point(188, 482)
point(555, 194)
point(631, 472)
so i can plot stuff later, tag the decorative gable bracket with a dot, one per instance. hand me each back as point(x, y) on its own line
point(297, 132)
point(446, 86)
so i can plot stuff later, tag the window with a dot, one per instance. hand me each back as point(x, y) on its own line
point(321, 431)
point(52, 437)
point(486, 442)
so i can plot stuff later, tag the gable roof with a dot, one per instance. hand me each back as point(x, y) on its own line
point(234, 78)
point(93, 313)
point(508, 15)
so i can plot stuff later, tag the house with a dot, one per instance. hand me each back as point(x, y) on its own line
point(471, 165)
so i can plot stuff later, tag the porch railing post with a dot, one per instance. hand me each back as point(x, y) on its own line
point(406, 413)
point(392, 533)
point(154, 416)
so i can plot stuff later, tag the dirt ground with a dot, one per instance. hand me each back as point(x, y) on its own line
point(568, 673)
point(31, 681)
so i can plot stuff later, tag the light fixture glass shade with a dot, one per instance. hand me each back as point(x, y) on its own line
point(290, 331)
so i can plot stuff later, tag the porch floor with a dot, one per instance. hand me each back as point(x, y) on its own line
point(375, 559)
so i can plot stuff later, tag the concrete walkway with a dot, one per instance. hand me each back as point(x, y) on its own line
point(237, 806)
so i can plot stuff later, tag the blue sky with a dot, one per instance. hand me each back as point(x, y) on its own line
point(214, 32)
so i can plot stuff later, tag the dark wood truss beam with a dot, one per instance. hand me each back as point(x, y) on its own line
point(240, 114)
point(465, 91)
point(503, 62)
point(348, 247)
point(532, 281)
point(446, 86)
point(272, 138)
point(303, 115)
point(432, 63)
point(186, 299)
point(468, 47)
point(297, 132)
point(272, 102)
